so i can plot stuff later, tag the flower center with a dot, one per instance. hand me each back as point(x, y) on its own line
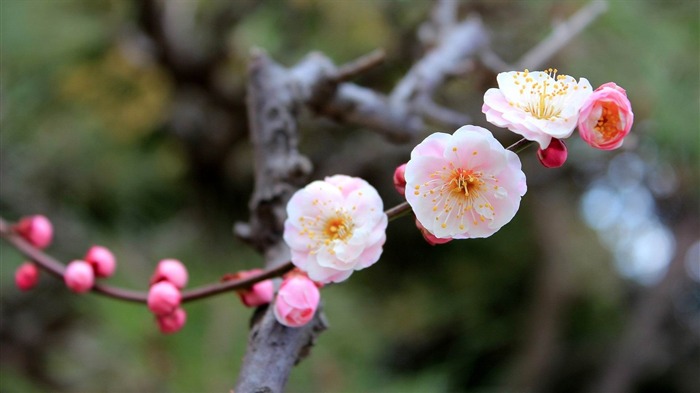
point(337, 228)
point(540, 98)
point(465, 181)
point(609, 124)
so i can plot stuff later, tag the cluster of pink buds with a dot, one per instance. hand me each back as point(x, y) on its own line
point(38, 231)
point(164, 297)
point(80, 274)
point(297, 299)
point(258, 294)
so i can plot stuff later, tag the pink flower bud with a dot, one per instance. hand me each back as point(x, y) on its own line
point(429, 237)
point(400, 179)
point(297, 300)
point(79, 276)
point(171, 323)
point(102, 260)
point(36, 229)
point(554, 155)
point(26, 276)
point(260, 293)
point(606, 117)
point(163, 298)
point(170, 270)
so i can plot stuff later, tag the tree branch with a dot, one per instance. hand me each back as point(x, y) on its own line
point(561, 35)
point(57, 269)
point(455, 47)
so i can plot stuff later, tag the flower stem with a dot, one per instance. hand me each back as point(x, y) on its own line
point(397, 211)
point(520, 145)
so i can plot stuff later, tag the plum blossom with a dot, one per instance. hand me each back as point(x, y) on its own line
point(335, 227)
point(464, 185)
point(297, 301)
point(538, 105)
point(606, 117)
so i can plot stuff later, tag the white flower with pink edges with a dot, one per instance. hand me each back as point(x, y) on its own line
point(464, 185)
point(538, 105)
point(335, 227)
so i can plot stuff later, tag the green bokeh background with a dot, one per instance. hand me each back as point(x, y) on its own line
point(89, 138)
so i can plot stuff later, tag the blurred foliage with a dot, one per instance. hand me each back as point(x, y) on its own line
point(88, 137)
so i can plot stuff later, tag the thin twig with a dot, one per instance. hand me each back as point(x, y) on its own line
point(358, 66)
point(562, 35)
point(57, 269)
point(557, 39)
point(520, 145)
point(398, 211)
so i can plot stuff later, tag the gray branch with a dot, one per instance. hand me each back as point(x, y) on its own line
point(456, 47)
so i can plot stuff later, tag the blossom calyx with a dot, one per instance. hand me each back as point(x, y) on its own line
point(429, 237)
